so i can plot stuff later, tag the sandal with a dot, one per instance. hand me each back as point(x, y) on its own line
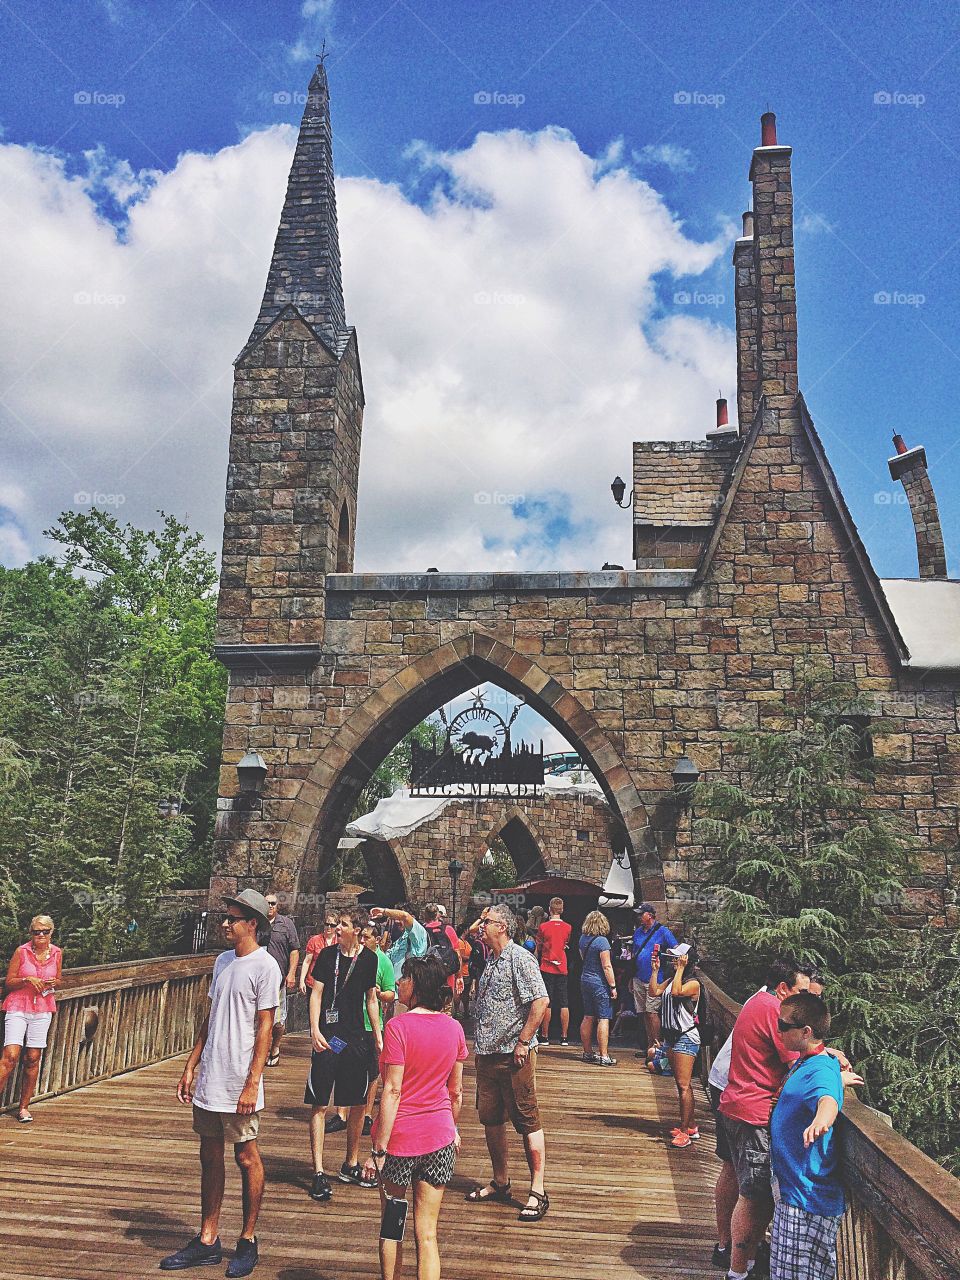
point(494, 1190)
point(273, 1060)
point(24, 1117)
point(534, 1213)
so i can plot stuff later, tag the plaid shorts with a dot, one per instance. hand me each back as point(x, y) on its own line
point(803, 1246)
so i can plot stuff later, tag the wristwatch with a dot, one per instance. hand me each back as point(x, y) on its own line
point(526, 1043)
point(377, 1154)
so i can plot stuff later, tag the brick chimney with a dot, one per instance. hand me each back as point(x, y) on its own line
point(723, 429)
point(774, 267)
point(745, 310)
point(909, 466)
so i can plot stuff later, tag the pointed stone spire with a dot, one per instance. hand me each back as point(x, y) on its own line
point(305, 269)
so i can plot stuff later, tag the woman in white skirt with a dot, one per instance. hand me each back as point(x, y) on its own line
point(32, 977)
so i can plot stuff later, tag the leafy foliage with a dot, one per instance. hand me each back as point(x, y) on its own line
point(112, 708)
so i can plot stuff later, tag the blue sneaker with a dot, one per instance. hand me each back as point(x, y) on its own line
point(245, 1258)
point(194, 1254)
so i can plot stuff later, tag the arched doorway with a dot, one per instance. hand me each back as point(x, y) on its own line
point(333, 785)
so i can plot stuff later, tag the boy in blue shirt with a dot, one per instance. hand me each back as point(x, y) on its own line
point(803, 1151)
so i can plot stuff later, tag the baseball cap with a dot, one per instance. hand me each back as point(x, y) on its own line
point(644, 907)
point(250, 900)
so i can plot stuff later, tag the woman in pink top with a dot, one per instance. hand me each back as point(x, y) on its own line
point(415, 1138)
point(32, 977)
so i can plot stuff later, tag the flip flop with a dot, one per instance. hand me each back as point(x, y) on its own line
point(494, 1190)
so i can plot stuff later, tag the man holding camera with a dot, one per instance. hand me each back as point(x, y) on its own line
point(344, 986)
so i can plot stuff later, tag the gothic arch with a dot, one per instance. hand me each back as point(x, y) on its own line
point(529, 850)
point(330, 790)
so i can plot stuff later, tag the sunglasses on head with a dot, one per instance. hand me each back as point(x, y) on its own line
point(783, 1025)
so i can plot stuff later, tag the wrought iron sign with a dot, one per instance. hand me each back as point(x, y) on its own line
point(477, 753)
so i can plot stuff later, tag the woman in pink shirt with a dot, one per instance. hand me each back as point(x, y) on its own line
point(415, 1138)
point(32, 977)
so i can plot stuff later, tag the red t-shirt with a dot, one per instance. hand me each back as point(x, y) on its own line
point(426, 1045)
point(434, 929)
point(314, 946)
point(553, 936)
point(758, 1061)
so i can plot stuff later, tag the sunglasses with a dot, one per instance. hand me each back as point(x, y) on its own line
point(40, 933)
point(330, 924)
point(789, 1026)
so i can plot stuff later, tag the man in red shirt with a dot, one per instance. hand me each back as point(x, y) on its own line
point(437, 929)
point(758, 1063)
point(315, 945)
point(553, 938)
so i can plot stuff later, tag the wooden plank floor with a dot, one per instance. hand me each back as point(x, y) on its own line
point(106, 1181)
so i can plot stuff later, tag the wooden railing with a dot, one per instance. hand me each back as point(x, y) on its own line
point(903, 1215)
point(113, 1018)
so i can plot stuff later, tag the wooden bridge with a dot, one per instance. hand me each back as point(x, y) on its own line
point(106, 1181)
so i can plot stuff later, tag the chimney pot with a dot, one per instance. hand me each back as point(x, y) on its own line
point(722, 418)
point(748, 224)
point(898, 444)
point(768, 129)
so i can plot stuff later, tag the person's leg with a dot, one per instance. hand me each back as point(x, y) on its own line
point(31, 1069)
point(545, 1024)
point(391, 1251)
point(496, 1136)
point(354, 1131)
point(247, 1156)
point(212, 1178)
point(276, 1037)
point(725, 1196)
point(586, 1033)
point(8, 1063)
point(426, 1210)
point(603, 1036)
point(535, 1147)
point(565, 1022)
point(747, 1225)
point(682, 1064)
point(318, 1120)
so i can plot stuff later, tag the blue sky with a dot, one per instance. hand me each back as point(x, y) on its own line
point(875, 179)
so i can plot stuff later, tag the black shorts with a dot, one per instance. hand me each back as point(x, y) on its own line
point(556, 984)
point(723, 1147)
point(346, 1076)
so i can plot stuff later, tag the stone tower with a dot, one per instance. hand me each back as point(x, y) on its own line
point(295, 427)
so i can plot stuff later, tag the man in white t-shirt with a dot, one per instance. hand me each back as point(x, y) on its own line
point(223, 1079)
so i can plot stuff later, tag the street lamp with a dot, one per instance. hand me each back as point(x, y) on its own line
point(251, 773)
point(618, 489)
point(685, 776)
point(456, 869)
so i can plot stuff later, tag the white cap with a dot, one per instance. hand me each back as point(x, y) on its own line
point(441, 910)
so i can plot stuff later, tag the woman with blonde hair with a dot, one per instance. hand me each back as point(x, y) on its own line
point(598, 987)
point(33, 975)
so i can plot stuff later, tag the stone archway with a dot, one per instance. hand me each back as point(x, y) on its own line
point(334, 782)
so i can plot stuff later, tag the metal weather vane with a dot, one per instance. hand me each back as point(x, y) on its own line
point(477, 752)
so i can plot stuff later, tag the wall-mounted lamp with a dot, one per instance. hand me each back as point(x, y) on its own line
point(685, 776)
point(251, 773)
point(618, 489)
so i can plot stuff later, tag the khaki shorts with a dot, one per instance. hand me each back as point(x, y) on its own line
point(505, 1090)
point(226, 1125)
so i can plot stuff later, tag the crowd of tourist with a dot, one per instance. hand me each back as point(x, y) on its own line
point(383, 988)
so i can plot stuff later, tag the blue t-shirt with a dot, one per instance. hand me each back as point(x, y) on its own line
point(808, 1177)
point(592, 948)
point(643, 944)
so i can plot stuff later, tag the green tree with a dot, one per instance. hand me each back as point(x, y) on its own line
point(114, 703)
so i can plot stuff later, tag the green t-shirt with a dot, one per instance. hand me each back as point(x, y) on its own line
point(385, 981)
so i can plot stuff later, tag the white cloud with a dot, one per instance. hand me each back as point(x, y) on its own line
point(316, 15)
point(512, 337)
point(814, 224)
point(668, 155)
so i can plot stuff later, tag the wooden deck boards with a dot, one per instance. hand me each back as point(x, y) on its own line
point(106, 1181)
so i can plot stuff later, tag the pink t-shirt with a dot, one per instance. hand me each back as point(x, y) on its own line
point(758, 1061)
point(25, 999)
point(426, 1045)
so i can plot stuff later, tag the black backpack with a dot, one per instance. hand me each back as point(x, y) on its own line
point(442, 948)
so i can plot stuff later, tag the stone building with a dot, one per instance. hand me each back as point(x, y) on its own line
point(746, 558)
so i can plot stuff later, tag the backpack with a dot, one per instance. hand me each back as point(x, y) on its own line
point(442, 948)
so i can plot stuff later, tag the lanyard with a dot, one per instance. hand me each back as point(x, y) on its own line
point(336, 975)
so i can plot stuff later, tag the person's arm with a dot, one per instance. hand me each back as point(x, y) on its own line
point(680, 985)
point(826, 1114)
point(655, 987)
point(307, 957)
point(373, 1013)
point(455, 1090)
point(247, 1102)
point(14, 982)
point(534, 1018)
point(316, 1007)
point(185, 1083)
point(389, 1106)
point(606, 964)
point(292, 967)
point(393, 913)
